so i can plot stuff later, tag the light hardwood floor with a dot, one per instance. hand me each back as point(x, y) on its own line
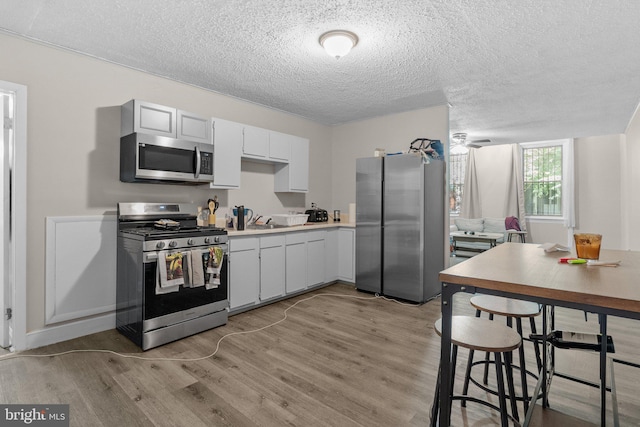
point(341, 358)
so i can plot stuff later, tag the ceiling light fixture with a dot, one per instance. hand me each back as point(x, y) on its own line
point(338, 43)
point(459, 138)
point(458, 143)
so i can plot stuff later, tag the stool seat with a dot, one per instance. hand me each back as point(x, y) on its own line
point(474, 333)
point(511, 309)
point(505, 306)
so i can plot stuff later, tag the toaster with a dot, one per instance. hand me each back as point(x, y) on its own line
point(317, 215)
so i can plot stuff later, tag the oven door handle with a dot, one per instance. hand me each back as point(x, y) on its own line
point(153, 256)
point(150, 257)
point(198, 160)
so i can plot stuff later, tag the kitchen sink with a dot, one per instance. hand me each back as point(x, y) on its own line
point(261, 226)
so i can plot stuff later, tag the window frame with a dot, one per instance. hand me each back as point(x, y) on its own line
point(567, 179)
point(450, 182)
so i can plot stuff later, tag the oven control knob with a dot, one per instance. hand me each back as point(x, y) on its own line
point(207, 240)
point(173, 244)
point(160, 245)
point(190, 242)
point(216, 239)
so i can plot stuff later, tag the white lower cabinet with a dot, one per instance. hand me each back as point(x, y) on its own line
point(269, 267)
point(296, 260)
point(331, 256)
point(315, 258)
point(272, 267)
point(347, 254)
point(244, 271)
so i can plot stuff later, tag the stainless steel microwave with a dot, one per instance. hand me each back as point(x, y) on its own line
point(150, 158)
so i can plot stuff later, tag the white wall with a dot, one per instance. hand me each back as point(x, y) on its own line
point(597, 188)
point(73, 145)
point(630, 182)
point(394, 133)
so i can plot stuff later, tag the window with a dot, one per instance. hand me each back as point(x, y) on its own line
point(457, 166)
point(545, 175)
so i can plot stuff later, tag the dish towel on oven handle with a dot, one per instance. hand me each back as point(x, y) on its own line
point(186, 269)
point(196, 268)
point(170, 274)
point(212, 261)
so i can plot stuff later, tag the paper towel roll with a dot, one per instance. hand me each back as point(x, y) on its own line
point(352, 212)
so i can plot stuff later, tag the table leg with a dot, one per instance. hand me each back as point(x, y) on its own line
point(602, 318)
point(445, 354)
point(545, 352)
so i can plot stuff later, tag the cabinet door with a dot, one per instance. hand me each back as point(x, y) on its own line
point(294, 177)
point(272, 267)
point(146, 117)
point(256, 143)
point(279, 147)
point(296, 262)
point(244, 272)
point(192, 127)
point(227, 153)
point(299, 163)
point(347, 255)
point(315, 259)
point(331, 256)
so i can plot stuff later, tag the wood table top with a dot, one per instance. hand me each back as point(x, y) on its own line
point(527, 270)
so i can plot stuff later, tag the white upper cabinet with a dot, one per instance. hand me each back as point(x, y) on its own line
point(154, 119)
point(227, 153)
point(280, 146)
point(294, 177)
point(256, 143)
point(146, 117)
point(192, 127)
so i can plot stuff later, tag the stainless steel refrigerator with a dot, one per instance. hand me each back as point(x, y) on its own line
point(400, 235)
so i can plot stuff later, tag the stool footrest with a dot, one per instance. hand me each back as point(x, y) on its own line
point(465, 398)
point(575, 340)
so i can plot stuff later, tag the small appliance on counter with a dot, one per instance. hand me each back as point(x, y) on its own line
point(316, 215)
point(243, 216)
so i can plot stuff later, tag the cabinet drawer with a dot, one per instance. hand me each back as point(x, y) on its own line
point(295, 238)
point(243, 244)
point(272, 241)
point(315, 235)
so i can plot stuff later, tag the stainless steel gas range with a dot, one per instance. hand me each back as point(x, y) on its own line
point(172, 278)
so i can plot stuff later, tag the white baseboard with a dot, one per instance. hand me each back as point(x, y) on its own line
point(71, 330)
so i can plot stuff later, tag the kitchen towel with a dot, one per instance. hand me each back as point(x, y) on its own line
point(170, 275)
point(212, 260)
point(196, 268)
point(186, 269)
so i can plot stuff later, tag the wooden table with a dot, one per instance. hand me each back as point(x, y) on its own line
point(526, 272)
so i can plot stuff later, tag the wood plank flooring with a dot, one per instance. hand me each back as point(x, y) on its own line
point(341, 358)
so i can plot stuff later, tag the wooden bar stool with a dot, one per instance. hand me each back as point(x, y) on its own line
point(474, 333)
point(510, 308)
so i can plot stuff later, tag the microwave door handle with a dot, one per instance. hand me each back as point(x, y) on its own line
point(197, 162)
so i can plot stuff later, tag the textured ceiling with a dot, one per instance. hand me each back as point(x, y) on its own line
point(512, 71)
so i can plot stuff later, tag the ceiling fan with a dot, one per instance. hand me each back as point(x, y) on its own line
point(460, 139)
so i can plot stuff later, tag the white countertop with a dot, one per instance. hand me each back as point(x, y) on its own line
point(309, 226)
